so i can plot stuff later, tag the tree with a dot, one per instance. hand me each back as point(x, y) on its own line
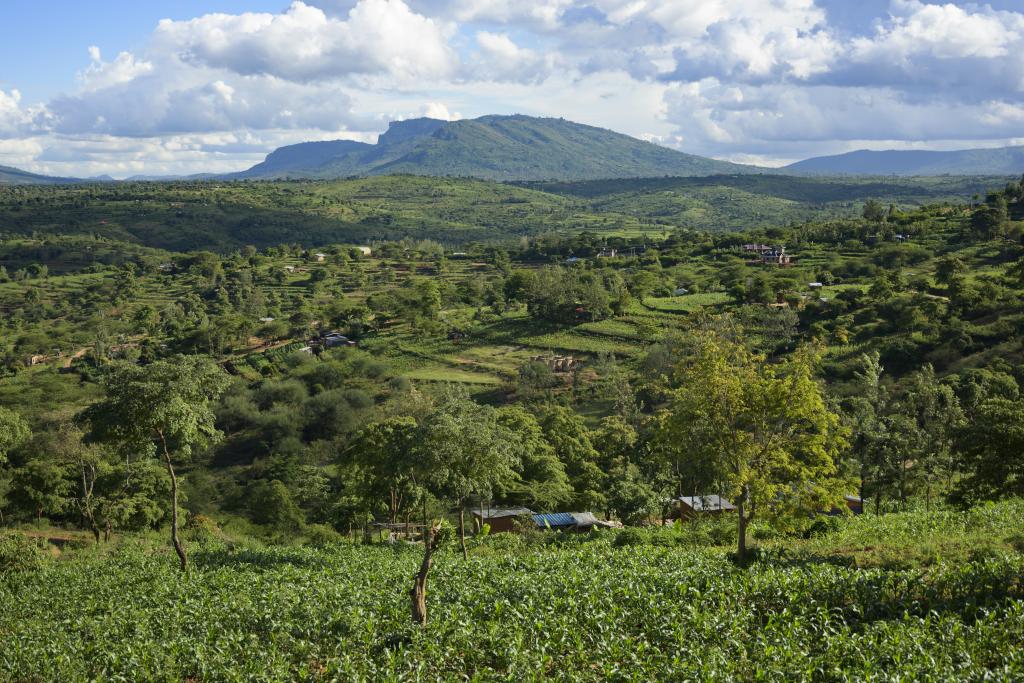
point(542, 482)
point(991, 446)
point(466, 453)
point(766, 430)
point(565, 430)
point(390, 471)
point(14, 431)
point(937, 416)
point(463, 451)
point(874, 211)
point(163, 409)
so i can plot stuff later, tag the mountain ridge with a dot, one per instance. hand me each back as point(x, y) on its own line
point(493, 147)
point(978, 161)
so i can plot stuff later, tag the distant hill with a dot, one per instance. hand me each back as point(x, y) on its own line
point(491, 147)
point(15, 176)
point(1000, 161)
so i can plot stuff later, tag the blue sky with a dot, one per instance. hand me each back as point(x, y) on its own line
point(186, 86)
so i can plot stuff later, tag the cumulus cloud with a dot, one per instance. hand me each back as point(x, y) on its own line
point(501, 59)
point(743, 79)
point(305, 44)
point(13, 118)
point(193, 103)
point(100, 74)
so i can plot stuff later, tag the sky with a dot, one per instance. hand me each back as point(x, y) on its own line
point(181, 86)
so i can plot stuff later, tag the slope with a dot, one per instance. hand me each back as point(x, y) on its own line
point(1001, 161)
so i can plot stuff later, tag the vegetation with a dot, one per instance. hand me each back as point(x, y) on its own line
point(260, 399)
point(581, 608)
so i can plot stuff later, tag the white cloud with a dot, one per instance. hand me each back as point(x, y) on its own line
point(102, 74)
point(304, 44)
point(438, 110)
point(744, 79)
point(13, 118)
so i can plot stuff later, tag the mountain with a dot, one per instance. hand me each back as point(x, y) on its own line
point(999, 161)
point(15, 176)
point(491, 147)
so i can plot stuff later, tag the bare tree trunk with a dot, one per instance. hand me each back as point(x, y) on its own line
point(418, 592)
point(741, 546)
point(175, 541)
point(106, 532)
point(462, 531)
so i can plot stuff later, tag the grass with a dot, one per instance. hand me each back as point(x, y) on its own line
point(443, 374)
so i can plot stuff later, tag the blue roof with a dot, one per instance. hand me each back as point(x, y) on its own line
point(554, 519)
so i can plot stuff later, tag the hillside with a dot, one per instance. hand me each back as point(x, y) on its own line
point(222, 216)
point(1002, 161)
point(490, 147)
point(15, 176)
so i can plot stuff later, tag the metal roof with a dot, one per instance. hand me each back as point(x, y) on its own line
point(494, 513)
point(706, 503)
point(558, 520)
point(555, 519)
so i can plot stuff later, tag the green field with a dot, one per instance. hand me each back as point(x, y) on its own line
point(946, 603)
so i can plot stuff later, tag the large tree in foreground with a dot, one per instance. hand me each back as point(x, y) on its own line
point(765, 429)
point(163, 409)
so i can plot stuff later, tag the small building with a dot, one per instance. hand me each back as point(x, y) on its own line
point(758, 248)
point(319, 258)
point(573, 259)
point(776, 257)
point(267, 319)
point(289, 269)
point(336, 339)
point(501, 519)
point(557, 363)
point(815, 285)
point(681, 291)
point(855, 504)
point(689, 507)
point(365, 251)
point(570, 521)
point(607, 253)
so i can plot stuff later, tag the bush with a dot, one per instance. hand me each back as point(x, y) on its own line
point(822, 526)
point(21, 553)
point(321, 535)
point(631, 536)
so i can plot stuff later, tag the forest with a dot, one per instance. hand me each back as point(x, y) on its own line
point(271, 433)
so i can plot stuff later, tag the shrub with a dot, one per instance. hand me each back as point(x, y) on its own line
point(631, 536)
point(21, 553)
point(321, 535)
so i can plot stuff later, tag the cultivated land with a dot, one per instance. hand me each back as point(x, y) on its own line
point(558, 346)
point(912, 596)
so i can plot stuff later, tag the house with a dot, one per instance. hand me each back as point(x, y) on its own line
point(815, 285)
point(557, 363)
point(290, 269)
point(334, 339)
point(681, 291)
point(607, 253)
point(365, 251)
point(776, 257)
point(855, 504)
point(501, 519)
point(689, 507)
point(758, 248)
point(319, 258)
point(570, 521)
